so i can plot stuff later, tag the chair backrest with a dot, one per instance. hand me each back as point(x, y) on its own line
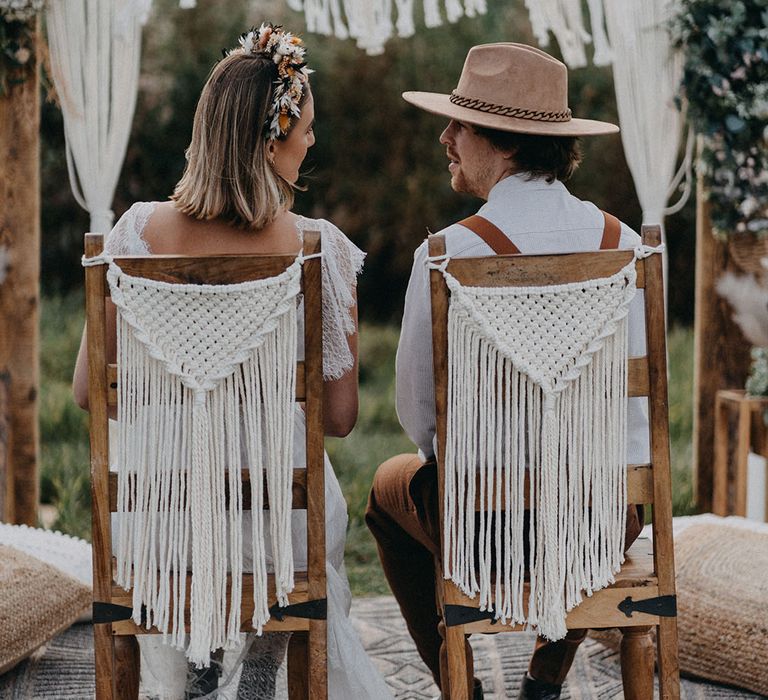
point(646, 483)
point(307, 484)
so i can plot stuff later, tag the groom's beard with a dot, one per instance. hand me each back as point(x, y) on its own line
point(472, 181)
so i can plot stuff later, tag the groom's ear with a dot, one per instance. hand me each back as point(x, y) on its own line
point(509, 153)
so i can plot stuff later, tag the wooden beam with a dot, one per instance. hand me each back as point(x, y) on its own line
point(721, 354)
point(19, 290)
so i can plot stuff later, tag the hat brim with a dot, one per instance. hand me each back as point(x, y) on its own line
point(437, 103)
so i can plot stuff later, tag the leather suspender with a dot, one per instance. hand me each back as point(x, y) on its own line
point(496, 239)
point(611, 232)
point(500, 244)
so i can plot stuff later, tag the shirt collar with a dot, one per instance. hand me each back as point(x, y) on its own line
point(517, 183)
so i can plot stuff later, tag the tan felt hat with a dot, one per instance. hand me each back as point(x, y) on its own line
point(511, 87)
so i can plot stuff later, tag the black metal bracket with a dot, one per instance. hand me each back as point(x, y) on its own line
point(454, 615)
point(663, 606)
point(106, 613)
point(310, 610)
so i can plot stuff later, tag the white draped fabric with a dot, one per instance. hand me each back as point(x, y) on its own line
point(646, 74)
point(373, 22)
point(95, 50)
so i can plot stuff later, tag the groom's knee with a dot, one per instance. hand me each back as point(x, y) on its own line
point(389, 491)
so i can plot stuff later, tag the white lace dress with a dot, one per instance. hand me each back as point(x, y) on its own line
point(351, 675)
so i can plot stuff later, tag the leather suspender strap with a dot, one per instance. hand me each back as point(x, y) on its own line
point(501, 245)
point(491, 234)
point(611, 232)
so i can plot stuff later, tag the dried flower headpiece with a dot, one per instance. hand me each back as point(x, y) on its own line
point(287, 51)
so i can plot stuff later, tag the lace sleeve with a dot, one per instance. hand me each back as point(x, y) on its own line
point(127, 236)
point(342, 263)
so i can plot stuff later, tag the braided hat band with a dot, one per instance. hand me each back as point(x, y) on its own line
point(511, 87)
point(536, 115)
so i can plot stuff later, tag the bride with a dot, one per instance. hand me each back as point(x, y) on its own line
point(251, 132)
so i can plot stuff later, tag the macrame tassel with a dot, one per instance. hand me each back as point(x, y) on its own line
point(181, 444)
point(572, 440)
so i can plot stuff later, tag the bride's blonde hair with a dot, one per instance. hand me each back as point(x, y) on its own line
point(228, 174)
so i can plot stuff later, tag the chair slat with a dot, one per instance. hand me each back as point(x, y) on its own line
point(299, 488)
point(636, 579)
point(211, 269)
point(290, 624)
point(639, 488)
point(539, 270)
point(637, 378)
point(301, 393)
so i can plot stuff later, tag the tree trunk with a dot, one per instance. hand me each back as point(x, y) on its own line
point(19, 294)
point(721, 353)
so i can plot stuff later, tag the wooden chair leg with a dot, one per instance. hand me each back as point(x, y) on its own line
point(104, 661)
point(127, 667)
point(637, 663)
point(298, 666)
point(318, 660)
point(669, 664)
point(456, 665)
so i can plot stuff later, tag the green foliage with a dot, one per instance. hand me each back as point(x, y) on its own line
point(725, 84)
point(64, 462)
point(757, 382)
point(680, 352)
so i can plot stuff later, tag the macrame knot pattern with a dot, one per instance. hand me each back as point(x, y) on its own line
point(537, 382)
point(207, 381)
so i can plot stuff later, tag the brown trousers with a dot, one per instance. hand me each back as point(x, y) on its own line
point(403, 516)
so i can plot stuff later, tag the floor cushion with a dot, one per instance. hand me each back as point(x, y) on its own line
point(37, 601)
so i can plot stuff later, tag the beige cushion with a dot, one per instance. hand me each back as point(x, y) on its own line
point(36, 602)
point(722, 595)
point(721, 572)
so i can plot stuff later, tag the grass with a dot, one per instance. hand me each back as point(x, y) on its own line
point(377, 436)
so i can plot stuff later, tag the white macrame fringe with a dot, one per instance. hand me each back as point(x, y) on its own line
point(370, 22)
point(181, 443)
point(569, 431)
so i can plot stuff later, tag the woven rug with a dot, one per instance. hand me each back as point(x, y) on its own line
point(64, 669)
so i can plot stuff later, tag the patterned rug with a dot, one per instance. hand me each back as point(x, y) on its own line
point(64, 669)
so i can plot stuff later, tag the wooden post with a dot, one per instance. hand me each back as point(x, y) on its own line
point(19, 292)
point(721, 354)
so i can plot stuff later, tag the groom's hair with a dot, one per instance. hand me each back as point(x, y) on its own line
point(550, 157)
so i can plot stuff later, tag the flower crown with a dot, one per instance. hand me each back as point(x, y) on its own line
point(287, 51)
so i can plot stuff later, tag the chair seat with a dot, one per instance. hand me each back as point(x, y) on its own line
point(598, 610)
point(300, 594)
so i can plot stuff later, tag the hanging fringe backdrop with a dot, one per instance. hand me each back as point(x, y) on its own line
point(372, 22)
point(207, 382)
point(550, 367)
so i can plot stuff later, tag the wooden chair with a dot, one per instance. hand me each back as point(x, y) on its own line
point(116, 648)
point(643, 595)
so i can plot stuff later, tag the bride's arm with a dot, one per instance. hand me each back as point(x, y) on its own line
point(340, 401)
point(80, 377)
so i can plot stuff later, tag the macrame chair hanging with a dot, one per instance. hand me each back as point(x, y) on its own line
point(537, 380)
point(207, 377)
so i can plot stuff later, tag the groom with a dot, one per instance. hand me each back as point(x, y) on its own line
point(511, 141)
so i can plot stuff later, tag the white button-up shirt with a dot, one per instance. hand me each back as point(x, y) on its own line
point(538, 217)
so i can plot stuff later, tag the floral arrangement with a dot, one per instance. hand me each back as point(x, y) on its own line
point(17, 41)
point(20, 10)
point(288, 52)
point(757, 382)
point(725, 86)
